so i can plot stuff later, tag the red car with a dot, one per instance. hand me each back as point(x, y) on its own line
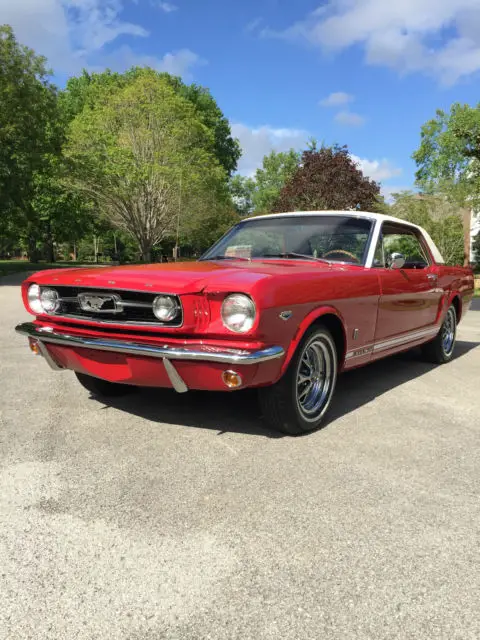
point(281, 303)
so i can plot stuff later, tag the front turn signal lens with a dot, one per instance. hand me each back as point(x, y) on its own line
point(232, 379)
point(34, 348)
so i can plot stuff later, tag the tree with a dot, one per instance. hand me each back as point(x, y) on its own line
point(438, 216)
point(448, 160)
point(90, 89)
point(146, 158)
point(242, 190)
point(327, 178)
point(30, 131)
point(62, 214)
point(277, 170)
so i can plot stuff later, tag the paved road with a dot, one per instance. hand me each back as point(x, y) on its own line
point(183, 518)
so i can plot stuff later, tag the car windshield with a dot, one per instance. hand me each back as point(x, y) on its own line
point(324, 237)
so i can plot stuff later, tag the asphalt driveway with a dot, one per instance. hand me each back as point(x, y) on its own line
point(182, 517)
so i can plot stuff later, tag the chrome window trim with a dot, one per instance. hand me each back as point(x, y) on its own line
point(410, 230)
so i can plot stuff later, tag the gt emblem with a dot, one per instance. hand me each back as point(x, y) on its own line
point(100, 303)
point(285, 315)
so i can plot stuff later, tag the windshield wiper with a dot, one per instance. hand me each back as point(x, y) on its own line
point(292, 254)
point(228, 258)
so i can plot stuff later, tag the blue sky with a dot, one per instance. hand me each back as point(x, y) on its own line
point(366, 73)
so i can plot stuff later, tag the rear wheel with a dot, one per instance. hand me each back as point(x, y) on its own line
point(441, 348)
point(103, 388)
point(298, 402)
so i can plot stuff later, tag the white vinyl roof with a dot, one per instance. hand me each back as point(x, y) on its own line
point(378, 218)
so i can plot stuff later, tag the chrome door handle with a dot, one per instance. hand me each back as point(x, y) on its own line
point(432, 276)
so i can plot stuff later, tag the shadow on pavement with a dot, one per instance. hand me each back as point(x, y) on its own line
point(239, 412)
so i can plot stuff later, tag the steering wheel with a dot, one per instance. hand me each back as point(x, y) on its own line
point(347, 253)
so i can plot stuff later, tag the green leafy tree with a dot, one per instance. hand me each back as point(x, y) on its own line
point(328, 178)
point(242, 191)
point(277, 170)
point(30, 131)
point(90, 89)
point(62, 214)
point(448, 160)
point(145, 158)
point(440, 217)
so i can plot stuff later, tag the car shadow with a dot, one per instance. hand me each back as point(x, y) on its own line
point(240, 413)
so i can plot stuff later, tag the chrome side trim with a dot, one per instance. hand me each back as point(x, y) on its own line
point(411, 337)
point(177, 383)
point(198, 352)
point(374, 347)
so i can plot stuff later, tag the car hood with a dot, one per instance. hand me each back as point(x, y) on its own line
point(180, 277)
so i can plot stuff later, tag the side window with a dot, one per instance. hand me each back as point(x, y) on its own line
point(404, 241)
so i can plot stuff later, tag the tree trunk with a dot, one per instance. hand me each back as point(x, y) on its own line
point(467, 221)
point(32, 251)
point(147, 255)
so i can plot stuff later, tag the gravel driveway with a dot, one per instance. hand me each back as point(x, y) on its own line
point(165, 516)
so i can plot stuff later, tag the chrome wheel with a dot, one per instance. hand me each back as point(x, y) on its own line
point(448, 332)
point(315, 377)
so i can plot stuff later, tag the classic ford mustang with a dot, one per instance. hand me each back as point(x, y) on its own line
point(281, 303)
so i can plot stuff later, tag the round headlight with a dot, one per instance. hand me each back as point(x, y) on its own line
point(238, 313)
point(49, 300)
point(34, 301)
point(165, 308)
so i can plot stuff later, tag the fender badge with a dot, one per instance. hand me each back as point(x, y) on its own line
point(285, 315)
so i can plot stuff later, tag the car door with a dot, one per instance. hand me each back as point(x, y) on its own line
point(409, 296)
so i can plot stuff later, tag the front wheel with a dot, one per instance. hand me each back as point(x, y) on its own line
point(298, 402)
point(103, 388)
point(440, 349)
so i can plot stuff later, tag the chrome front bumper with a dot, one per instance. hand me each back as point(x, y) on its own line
point(198, 352)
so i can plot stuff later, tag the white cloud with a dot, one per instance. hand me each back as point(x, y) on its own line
point(337, 99)
point(167, 7)
point(349, 118)
point(178, 63)
point(73, 34)
point(258, 142)
point(378, 170)
point(437, 37)
point(253, 25)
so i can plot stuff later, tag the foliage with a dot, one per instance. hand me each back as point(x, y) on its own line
point(90, 89)
point(242, 190)
point(259, 194)
point(30, 131)
point(277, 170)
point(327, 178)
point(448, 157)
point(144, 156)
point(438, 216)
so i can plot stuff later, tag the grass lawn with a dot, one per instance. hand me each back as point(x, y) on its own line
point(15, 266)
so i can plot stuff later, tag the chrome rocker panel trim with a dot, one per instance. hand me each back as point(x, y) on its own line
point(202, 353)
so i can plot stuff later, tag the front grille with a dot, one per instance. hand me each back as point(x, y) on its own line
point(116, 306)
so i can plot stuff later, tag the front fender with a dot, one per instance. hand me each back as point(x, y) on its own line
point(309, 319)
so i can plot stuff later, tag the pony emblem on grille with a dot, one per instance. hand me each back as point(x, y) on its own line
point(100, 303)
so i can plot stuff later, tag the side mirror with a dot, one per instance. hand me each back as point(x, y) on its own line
point(396, 260)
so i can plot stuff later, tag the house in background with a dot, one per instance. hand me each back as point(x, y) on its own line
point(474, 231)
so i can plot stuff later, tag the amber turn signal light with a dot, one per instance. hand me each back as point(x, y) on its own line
point(34, 348)
point(232, 379)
